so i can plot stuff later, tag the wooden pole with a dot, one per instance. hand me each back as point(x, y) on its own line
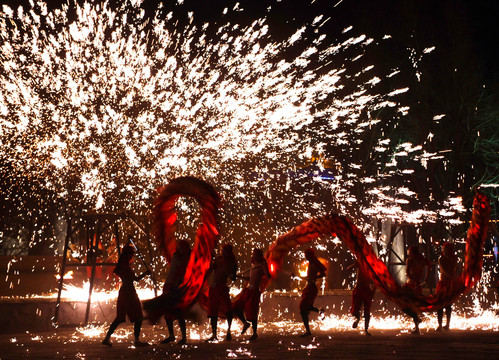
point(63, 269)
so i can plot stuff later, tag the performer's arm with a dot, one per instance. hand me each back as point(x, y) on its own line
point(322, 269)
point(409, 269)
point(245, 271)
point(266, 269)
point(143, 275)
point(241, 274)
point(352, 266)
point(233, 275)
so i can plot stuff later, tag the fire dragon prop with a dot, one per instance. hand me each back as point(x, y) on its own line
point(192, 287)
point(206, 238)
point(352, 237)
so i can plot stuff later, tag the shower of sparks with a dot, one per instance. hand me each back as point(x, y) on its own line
point(105, 106)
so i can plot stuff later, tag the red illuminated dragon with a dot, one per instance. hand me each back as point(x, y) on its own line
point(356, 242)
point(206, 239)
point(208, 233)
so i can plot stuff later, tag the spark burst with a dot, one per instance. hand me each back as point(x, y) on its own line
point(103, 104)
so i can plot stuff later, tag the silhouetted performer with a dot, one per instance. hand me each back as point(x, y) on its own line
point(417, 272)
point(223, 266)
point(363, 294)
point(249, 300)
point(315, 270)
point(128, 301)
point(174, 277)
point(448, 264)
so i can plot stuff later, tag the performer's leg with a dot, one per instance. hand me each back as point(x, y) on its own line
point(171, 333)
point(355, 308)
point(254, 325)
point(229, 324)
point(416, 323)
point(368, 300)
point(357, 319)
point(213, 307)
point(183, 330)
point(304, 316)
point(213, 322)
point(136, 332)
point(448, 311)
point(240, 315)
point(367, 314)
point(415, 318)
point(136, 329)
point(112, 328)
point(440, 315)
point(367, 318)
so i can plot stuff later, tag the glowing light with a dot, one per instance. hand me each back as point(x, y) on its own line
point(80, 293)
point(67, 276)
point(112, 120)
point(272, 268)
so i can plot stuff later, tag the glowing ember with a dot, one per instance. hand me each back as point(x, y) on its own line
point(92, 331)
point(67, 276)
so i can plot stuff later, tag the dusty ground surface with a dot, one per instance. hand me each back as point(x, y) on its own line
point(84, 343)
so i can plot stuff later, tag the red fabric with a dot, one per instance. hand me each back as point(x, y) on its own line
point(218, 296)
point(446, 285)
point(128, 304)
point(361, 295)
point(249, 302)
point(308, 297)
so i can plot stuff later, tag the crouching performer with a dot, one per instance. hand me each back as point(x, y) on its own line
point(248, 302)
point(128, 301)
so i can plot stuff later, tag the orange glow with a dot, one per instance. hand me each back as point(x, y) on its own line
point(272, 269)
point(68, 275)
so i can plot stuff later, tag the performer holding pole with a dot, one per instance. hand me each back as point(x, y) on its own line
point(417, 272)
point(174, 277)
point(315, 270)
point(249, 300)
point(448, 264)
point(139, 254)
point(362, 294)
point(128, 301)
point(223, 266)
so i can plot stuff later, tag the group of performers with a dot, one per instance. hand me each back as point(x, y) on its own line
point(247, 304)
point(417, 269)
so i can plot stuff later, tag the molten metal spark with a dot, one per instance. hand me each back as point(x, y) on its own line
point(109, 103)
